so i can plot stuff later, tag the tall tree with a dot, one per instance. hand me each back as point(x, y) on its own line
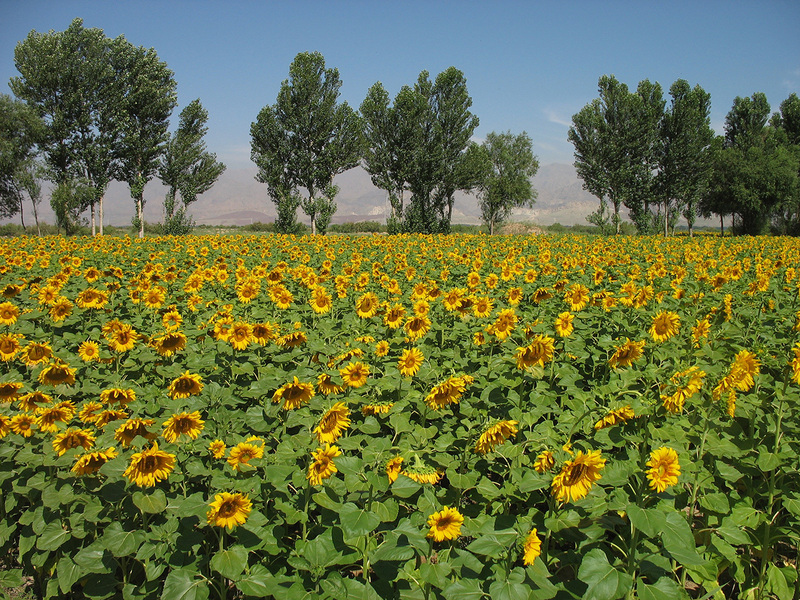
point(614, 145)
point(755, 173)
point(187, 168)
point(20, 131)
point(684, 161)
point(507, 182)
point(306, 138)
point(143, 101)
point(68, 79)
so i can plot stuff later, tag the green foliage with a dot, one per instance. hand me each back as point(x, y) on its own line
point(304, 140)
point(69, 199)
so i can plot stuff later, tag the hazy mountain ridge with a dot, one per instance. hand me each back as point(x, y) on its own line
point(238, 199)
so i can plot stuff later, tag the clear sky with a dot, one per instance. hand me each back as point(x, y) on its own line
point(529, 65)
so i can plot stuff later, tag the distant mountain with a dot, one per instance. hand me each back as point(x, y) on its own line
point(238, 199)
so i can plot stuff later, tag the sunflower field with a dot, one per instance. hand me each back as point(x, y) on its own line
point(408, 417)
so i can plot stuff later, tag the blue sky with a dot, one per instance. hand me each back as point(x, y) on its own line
point(529, 65)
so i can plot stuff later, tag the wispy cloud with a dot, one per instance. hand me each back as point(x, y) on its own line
point(792, 82)
point(557, 118)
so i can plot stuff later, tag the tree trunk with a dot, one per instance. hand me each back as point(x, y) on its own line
point(721, 226)
point(36, 217)
point(491, 226)
point(140, 214)
point(666, 217)
point(21, 214)
point(101, 215)
point(94, 231)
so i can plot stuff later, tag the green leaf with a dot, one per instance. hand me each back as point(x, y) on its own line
point(767, 461)
point(257, 583)
point(185, 584)
point(11, 578)
point(780, 581)
point(68, 573)
point(119, 541)
point(604, 581)
point(663, 589)
point(357, 521)
point(716, 502)
point(463, 589)
point(650, 521)
point(678, 540)
point(405, 487)
point(508, 590)
point(230, 562)
point(154, 503)
point(53, 536)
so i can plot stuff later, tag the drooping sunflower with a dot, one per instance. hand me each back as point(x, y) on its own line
point(264, 333)
point(614, 417)
point(186, 385)
point(354, 374)
point(117, 396)
point(243, 452)
point(664, 469)
point(186, 423)
point(376, 408)
point(73, 438)
point(91, 462)
point(367, 305)
point(445, 525)
point(217, 448)
point(31, 401)
point(89, 351)
point(532, 549)
point(61, 309)
point(689, 383)
point(448, 392)
point(394, 316)
point(9, 391)
point(393, 468)
point(127, 432)
point(47, 417)
point(292, 340)
point(495, 435)
point(123, 339)
point(626, 354)
point(422, 473)
point(333, 423)
point(170, 343)
point(417, 326)
point(323, 466)
point(410, 361)
point(544, 461)
point(743, 370)
point(36, 353)
point(538, 352)
point(326, 386)
point(9, 346)
point(5, 425)
point(57, 374)
point(150, 466)
point(293, 394)
point(795, 364)
point(701, 330)
point(229, 510)
point(577, 476)
point(563, 324)
point(104, 417)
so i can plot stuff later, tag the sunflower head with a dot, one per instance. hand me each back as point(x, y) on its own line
point(445, 525)
point(664, 469)
point(228, 510)
point(150, 466)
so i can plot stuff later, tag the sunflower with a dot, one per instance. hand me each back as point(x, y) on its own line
point(107, 416)
point(248, 290)
point(504, 324)
point(448, 392)
point(127, 432)
point(8, 313)
point(422, 473)
point(36, 353)
point(563, 325)
point(619, 415)
point(540, 295)
point(382, 348)
point(354, 374)
point(626, 354)
point(376, 408)
point(228, 510)
point(394, 316)
point(47, 417)
point(73, 438)
point(57, 373)
point(445, 525)
point(478, 338)
point(326, 386)
point(243, 452)
point(150, 466)
point(692, 379)
point(186, 385)
point(744, 368)
point(320, 300)
point(367, 305)
point(89, 410)
point(91, 298)
point(91, 462)
point(217, 448)
point(171, 320)
point(323, 466)
point(393, 468)
point(538, 352)
point(795, 364)
point(89, 351)
point(514, 296)
point(665, 325)
point(118, 396)
point(453, 299)
point(123, 339)
point(293, 394)
point(154, 297)
point(264, 333)
point(48, 295)
point(482, 307)
point(23, 424)
point(417, 326)
point(333, 423)
point(577, 476)
point(31, 401)
point(664, 469)
point(11, 290)
point(410, 362)
point(577, 297)
point(61, 309)
point(240, 335)
point(5, 425)
point(170, 343)
point(544, 462)
point(701, 330)
point(9, 346)
point(292, 340)
point(495, 435)
point(532, 549)
point(185, 423)
point(9, 391)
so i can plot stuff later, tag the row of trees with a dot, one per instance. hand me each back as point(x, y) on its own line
point(661, 161)
point(418, 145)
point(90, 110)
